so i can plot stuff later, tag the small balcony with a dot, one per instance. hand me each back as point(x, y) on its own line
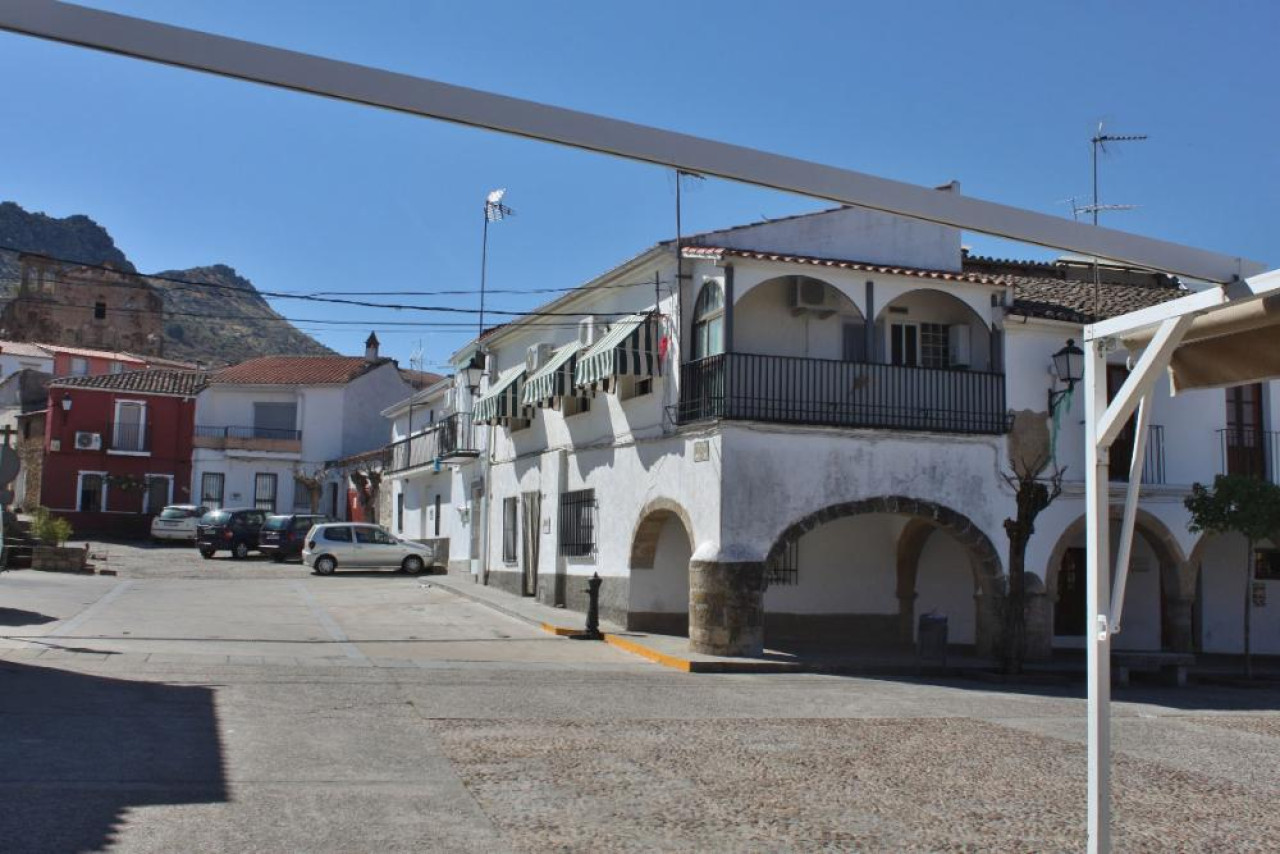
point(452, 438)
point(822, 392)
point(1248, 451)
point(231, 438)
point(1152, 457)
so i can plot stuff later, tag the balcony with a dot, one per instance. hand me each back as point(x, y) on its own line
point(1249, 452)
point(821, 392)
point(1152, 457)
point(452, 438)
point(249, 439)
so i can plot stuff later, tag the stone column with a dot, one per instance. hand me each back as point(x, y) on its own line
point(726, 607)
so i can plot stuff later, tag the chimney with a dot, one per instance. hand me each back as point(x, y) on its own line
point(371, 348)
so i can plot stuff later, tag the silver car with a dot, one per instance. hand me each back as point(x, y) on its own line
point(352, 545)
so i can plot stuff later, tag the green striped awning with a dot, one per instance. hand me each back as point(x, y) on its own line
point(630, 348)
point(501, 400)
point(552, 380)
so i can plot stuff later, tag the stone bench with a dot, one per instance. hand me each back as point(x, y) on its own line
point(1175, 664)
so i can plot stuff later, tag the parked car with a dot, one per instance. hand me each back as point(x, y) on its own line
point(233, 530)
point(177, 522)
point(359, 546)
point(282, 537)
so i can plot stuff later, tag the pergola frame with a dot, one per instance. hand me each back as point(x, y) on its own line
point(176, 46)
point(1104, 602)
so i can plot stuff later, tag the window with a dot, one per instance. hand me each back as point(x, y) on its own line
point(116, 368)
point(93, 492)
point(576, 405)
point(99, 310)
point(79, 367)
point(632, 387)
point(301, 497)
point(159, 493)
point(129, 431)
point(853, 336)
point(904, 344)
point(211, 486)
point(578, 523)
point(436, 521)
point(784, 571)
point(275, 420)
point(264, 491)
point(1244, 441)
point(1266, 564)
point(400, 512)
point(708, 321)
point(341, 534)
point(509, 510)
point(935, 350)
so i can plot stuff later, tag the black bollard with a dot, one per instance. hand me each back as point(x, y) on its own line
point(593, 610)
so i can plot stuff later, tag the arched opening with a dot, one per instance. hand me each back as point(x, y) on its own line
point(856, 577)
point(798, 316)
point(1157, 606)
point(708, 321)
point(928, 328)
point(1217, 572)
point(659, 585)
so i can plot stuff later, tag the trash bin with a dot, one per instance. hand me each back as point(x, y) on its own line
point(931, 638)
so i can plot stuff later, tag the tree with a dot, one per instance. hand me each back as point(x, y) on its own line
point(1033, 492)
point(368, 482)
point(1238, 504)
point(312, 480)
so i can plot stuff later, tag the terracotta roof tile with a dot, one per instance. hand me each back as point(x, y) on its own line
point(842, 264)
point(296, 370)
point(154, 381)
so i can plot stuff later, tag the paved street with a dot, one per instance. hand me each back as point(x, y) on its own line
point(190, 705)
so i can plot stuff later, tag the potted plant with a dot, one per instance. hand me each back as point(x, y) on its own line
point(52, 553)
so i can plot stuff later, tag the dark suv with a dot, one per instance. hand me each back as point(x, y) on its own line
point(233, 530)
point(281, 537)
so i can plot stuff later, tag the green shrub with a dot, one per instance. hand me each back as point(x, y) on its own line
point(49, 529)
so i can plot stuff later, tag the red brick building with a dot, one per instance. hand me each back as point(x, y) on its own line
point(118, 448)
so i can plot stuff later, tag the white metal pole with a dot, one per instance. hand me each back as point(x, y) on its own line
point(1132, 495)
point(1097, 636)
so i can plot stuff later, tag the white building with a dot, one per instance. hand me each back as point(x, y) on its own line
point(20, 356)
point(262, 422)
point(799, 433)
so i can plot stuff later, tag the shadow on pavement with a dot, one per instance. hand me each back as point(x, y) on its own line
point(77, 751)
point(19, 617)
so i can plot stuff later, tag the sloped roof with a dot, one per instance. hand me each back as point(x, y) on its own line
point(716, 252)
point(420, 379)
point(297, 370)
point(95, 354)
point(152, 381)
point(23, 348)
point(1065, 290)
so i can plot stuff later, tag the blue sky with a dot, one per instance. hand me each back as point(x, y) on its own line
point(303, 194)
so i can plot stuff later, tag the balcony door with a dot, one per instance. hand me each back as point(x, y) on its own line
point(1245, 451)
point(1122, 449)
point(127, 434)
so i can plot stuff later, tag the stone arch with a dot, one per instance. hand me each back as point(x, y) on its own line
point(1177, 573)
point(883, 313)
point(659, 587)
point(985, 561)
point(926, 519)
point(844, 299)
point(644, 539)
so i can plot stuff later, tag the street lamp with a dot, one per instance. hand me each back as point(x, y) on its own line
point(473, 372)
point(494, 211)
point(1068, 364)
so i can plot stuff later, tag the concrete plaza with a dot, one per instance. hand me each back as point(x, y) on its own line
point(190, 705)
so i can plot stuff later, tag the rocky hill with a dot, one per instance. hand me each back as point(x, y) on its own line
point(226, 321)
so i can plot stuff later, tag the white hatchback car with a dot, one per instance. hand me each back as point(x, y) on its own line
point(354, 545)
point(177, 522)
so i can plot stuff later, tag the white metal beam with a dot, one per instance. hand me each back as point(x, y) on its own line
point(1154, 359)
point(1132, 493)
point(142, 39)
point(1097, 607)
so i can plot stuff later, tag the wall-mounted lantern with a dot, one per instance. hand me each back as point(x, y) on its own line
point(1068, 364)
point(66, 403)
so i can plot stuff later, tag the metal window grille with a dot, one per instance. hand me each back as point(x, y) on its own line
point(784, 570)
point(578, 523)
point(264, 491)
point(509, 511)
point(211, 486)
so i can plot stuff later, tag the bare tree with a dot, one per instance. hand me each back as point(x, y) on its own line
point(312, 480)
point(1033, 492)
point(367, 478)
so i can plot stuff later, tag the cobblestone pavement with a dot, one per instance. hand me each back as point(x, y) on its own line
point(213, 706)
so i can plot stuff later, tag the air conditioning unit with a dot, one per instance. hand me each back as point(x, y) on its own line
point(958, 345)
point(88, 441)
point(809, 295)
point(587, 331)
point(536, 357)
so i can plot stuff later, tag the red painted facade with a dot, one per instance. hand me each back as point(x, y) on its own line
point(99, 362)
point(96, 436)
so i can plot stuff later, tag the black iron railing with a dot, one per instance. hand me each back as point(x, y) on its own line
point(1249, 452)
point(792, 390)
point(450, 438)
point(1152, 457)
point(246, 433)
point(578, 523)
point(128, 436)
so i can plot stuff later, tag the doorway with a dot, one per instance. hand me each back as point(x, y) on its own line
point(530, 516)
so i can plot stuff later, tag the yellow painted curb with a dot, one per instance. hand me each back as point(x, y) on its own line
point(559, 631)
point(681, 664)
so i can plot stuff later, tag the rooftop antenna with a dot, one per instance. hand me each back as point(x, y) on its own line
point(417, 360)
point(494, 211)
point(1099, 143)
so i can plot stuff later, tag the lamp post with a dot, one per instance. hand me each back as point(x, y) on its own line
point(494, 211)
point(1068, 364)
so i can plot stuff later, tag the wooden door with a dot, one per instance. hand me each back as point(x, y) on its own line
point(1122, 450)
point(1244, 448)
point(1069, 610)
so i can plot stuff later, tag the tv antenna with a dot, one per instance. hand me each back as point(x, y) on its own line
point(1100, 141)
point(417, 359)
